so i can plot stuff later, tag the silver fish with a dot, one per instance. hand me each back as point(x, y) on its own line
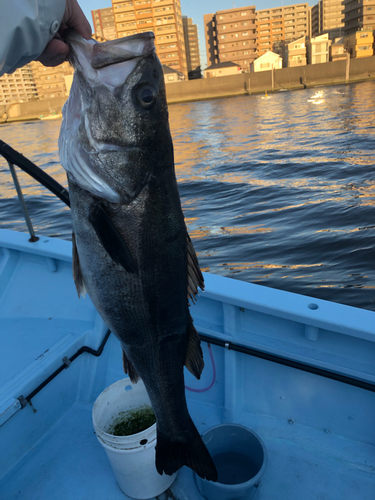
point(131, 249)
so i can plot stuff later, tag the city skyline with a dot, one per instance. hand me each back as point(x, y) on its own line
point(196, 10)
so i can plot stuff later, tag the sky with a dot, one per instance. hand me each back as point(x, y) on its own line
point(196, 10)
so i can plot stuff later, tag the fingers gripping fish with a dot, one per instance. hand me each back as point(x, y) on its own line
point(131, 249)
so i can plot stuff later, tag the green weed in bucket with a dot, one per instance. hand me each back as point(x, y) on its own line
point(132, 422)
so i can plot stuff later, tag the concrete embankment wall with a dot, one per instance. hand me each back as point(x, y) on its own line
point(32, 110)
point(244, 84)
point(330, 73)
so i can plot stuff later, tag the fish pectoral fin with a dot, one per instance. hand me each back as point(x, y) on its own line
point(195, 277)
point(77, 271)
point(112, 241)
point(129, 368)
point(194, 355)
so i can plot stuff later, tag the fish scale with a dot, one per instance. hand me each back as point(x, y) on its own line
point(131, 249)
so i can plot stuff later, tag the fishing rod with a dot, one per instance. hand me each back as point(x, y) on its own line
point(15, 158)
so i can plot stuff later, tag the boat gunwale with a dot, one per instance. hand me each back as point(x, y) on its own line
point(340, 318)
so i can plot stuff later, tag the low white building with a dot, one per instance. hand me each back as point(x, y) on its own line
point(172, 75)
point(295, 54)
point(268, 61)
point(222, 69)
point(318, 49)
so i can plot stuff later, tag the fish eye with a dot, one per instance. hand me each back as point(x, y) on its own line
point(146, 96)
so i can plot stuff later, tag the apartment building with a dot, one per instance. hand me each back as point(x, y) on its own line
point(164, 18)
point(18, 86)
point(104, 23)
point(332, 14)
point(318, 49)
point(51, 82)
point(337, 50)
point(360, 44)
point(295, 53)
point(358, 15)
point(271, 31)
point(230, 36)
point(315, 20)
point(327, 17)
point(279, 26)
point(192, 48)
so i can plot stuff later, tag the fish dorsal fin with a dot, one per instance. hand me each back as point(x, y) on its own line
point(77, 271)
point(195, 277)
point(194, 355)
point(112, 241)
point(129, 368)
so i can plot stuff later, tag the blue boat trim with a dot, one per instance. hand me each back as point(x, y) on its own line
point(66, 364)
point(339, 377)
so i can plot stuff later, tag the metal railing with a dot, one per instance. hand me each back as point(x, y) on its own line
point(14, 158)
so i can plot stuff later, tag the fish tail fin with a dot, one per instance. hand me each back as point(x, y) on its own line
point(192, 452)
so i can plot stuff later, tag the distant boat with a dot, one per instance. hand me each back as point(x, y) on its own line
point(51, 117)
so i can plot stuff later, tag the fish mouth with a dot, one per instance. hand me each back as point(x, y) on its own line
point(94, 60)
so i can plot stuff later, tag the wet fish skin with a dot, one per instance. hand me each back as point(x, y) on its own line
point(131, 255)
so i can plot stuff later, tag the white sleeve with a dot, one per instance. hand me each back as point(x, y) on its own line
point(26, 27)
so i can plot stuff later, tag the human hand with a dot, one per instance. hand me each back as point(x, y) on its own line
point(57, 50)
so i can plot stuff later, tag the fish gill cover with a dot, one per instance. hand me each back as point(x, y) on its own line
point(93, 64)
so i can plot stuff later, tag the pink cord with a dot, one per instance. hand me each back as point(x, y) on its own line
point(213, 377)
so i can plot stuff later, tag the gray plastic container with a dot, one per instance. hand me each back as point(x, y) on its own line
point(241, 459)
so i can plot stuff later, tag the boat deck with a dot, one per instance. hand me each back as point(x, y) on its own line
point(69, 463)
point(319, 432)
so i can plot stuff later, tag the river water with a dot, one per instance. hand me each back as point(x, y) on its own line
point(277, 191)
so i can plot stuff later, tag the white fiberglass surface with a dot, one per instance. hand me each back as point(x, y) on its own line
point(304, 461)
point(319, 433)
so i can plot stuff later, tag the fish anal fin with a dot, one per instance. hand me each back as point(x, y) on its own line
point(129, 368)
point(195, 277)
point(112, 241)
point(77, 271)
point(194, 355)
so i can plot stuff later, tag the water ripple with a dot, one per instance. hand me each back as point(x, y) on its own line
point(277, 191)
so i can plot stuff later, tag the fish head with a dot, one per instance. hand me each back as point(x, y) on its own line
point(115, 128)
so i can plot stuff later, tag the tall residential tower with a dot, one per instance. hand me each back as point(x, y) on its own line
point(164, 18)
point(327, 17)
point(104, 23)
point(358, 15)
point(231, 36)
point(280, 26)
point(192, 48)
point(18, 86)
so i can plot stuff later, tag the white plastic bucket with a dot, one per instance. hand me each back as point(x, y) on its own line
point(241, 460)
point(132, 457)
